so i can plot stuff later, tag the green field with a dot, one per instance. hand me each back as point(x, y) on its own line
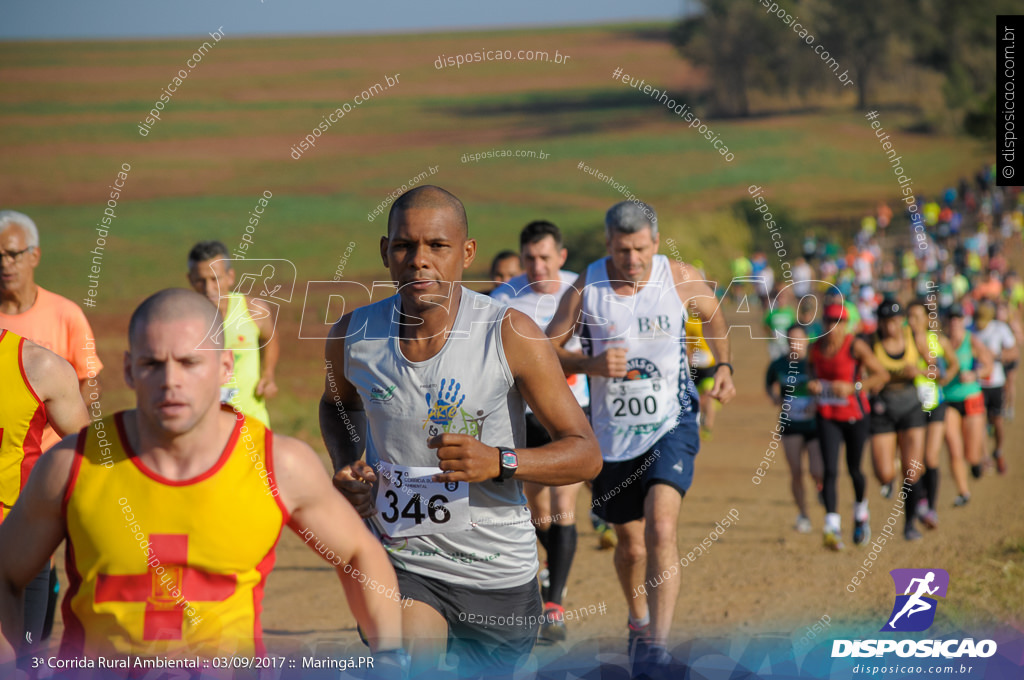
point(70, 111)
point(69, 114)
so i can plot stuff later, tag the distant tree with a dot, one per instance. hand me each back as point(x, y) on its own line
point(859, 34)
point(740, 45)
point(958, 39)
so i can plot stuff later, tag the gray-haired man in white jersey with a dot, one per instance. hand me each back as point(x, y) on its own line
point(434, 383)
point(630, 309)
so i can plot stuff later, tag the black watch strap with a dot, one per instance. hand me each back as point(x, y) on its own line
point(506, 471)
point(732, 371)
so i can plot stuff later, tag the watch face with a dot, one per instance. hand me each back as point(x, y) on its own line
point(509, 459)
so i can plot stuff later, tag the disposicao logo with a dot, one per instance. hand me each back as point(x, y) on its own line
point(914, 611)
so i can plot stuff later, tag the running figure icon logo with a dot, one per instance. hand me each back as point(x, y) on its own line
point(914, 610)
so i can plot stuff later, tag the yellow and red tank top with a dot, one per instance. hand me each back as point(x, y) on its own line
point(22, 421)
point(160, 567)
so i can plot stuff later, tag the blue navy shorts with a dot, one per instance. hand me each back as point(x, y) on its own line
point(621, 487)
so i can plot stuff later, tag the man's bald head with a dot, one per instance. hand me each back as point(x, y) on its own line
point(429, 197)
point(176, 304)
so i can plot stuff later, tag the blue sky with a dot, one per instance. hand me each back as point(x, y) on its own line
point(40, 19)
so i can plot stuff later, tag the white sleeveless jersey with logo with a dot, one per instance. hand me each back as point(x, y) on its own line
point(630, 414)
point(541, 307)
point(476, 535)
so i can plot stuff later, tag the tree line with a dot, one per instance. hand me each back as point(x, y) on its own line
point(945, 48)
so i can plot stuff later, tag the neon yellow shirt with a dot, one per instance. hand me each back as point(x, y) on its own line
point(242, 336)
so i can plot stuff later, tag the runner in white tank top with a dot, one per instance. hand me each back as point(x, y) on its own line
point(433, 387)
point(630, 309)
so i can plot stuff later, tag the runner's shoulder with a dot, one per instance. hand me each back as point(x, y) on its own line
point(510, 289)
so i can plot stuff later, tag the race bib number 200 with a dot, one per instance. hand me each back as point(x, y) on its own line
point(639, 402)
point(410, 504)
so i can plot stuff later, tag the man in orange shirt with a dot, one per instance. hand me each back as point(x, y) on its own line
point(173, 510)
point(40, 388)
point(33, 312)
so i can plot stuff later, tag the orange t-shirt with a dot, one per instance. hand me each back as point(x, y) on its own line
point(59, 325)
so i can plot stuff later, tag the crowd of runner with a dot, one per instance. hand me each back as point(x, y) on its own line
point(462, 427)
point(917, 347)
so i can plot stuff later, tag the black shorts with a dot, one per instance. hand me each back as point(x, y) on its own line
point(993, 401)
point(808, 435)
point(1010, 365)
point(938, 414)
point(488, 629)
point(621, 487)
point(536, 435)
point(971, 406)
point(896, 409)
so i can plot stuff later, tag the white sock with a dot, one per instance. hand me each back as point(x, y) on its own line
point(860, 511)
point(640, 623)
point(832, 522)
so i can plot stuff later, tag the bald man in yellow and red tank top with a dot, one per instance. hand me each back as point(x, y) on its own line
point(39, 389)
point(172, 511)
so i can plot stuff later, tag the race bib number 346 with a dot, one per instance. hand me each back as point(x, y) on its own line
point(410, 504)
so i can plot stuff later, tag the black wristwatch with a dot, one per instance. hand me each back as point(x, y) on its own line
point(725, 363)
point(509, 462)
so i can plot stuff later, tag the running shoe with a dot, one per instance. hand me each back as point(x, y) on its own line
point(886, 490)
point(861, 532)
point(803, 524)
point(962, 500)
point(636, 634)
point(1000, 461)
point(651, 660)
point(553, 628)
point(833, 541)
point(930, 519)
point(911, 534)
point(607, 538)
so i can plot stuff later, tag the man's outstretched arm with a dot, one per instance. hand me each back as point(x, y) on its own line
point(361, 562)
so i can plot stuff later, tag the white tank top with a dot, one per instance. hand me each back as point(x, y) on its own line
point(541, 307)
point(481, 536)
point(630, 414)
